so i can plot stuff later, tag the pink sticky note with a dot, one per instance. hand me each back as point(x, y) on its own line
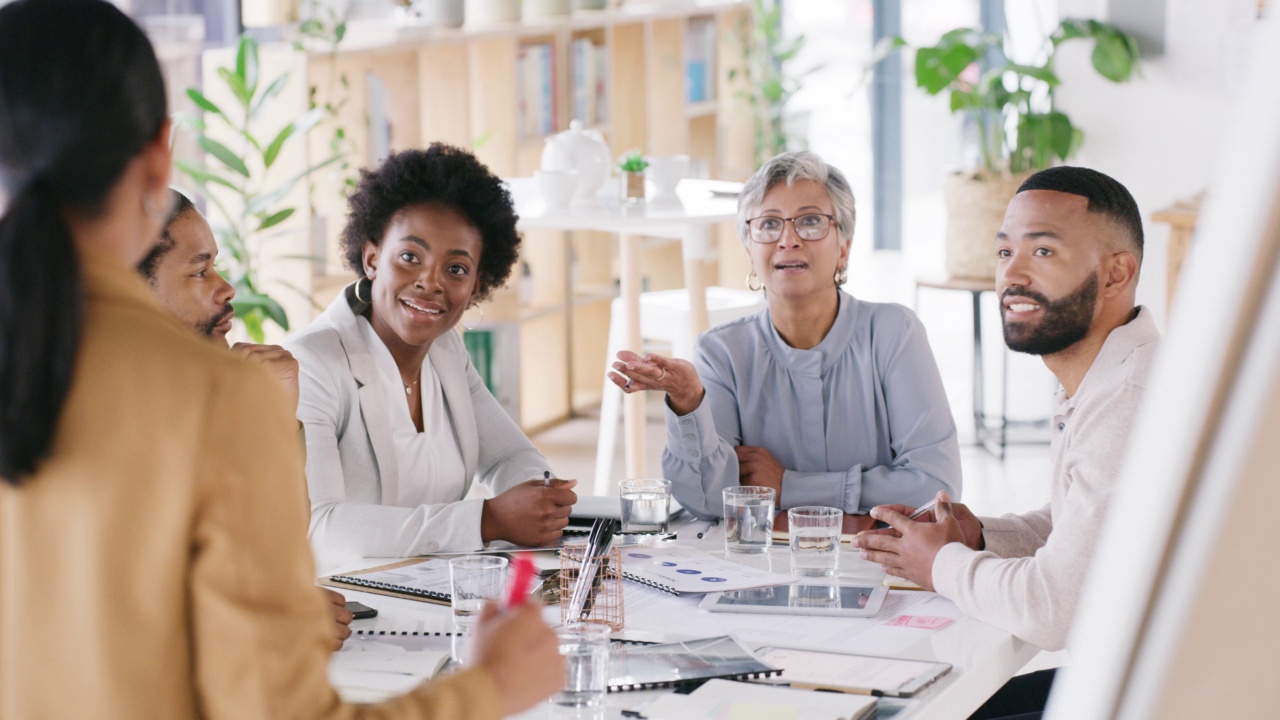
point(923, 622)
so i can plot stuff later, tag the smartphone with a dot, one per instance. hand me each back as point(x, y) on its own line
point(360, 610)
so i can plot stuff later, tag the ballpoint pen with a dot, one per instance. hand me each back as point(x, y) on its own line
point(920, 511)
point(707, 528)
point(546, 478)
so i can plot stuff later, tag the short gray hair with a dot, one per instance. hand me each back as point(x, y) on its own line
point(791, 167)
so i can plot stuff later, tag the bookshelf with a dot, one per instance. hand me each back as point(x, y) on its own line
point(650, 76)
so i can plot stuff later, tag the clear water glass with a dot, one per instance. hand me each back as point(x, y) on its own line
point(748, 519)
point(815, 540)
point(473, 580)
point(584, 648)
point(646, 505)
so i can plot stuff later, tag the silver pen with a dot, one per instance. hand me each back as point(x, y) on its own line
point(920, 511)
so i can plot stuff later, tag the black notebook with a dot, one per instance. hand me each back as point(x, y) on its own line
point(640, 667)
point(413, 579)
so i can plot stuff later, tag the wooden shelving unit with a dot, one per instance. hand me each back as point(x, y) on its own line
point(415, 86)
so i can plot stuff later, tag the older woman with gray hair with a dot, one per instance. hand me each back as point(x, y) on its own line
point(828, 399)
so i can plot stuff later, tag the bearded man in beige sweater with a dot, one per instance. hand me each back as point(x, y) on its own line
point(1068, 256)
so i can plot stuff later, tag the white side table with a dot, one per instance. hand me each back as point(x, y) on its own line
point(697, 205)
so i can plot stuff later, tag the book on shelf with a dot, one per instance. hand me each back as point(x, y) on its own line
point(700, 59)
point(589, 68)
point(494, 351)
point(536, 90)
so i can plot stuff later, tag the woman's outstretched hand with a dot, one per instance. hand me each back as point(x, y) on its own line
point(677, 378)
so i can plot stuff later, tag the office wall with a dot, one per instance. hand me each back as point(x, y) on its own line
point(1160, 134)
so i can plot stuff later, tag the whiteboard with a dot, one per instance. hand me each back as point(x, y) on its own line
point(1179, 616)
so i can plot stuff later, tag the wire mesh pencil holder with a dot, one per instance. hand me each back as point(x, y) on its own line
point(604, 605)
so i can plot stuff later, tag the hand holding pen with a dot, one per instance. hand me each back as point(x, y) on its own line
point(531, 514)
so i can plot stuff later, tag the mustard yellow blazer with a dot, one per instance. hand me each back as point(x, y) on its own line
point(157, 565)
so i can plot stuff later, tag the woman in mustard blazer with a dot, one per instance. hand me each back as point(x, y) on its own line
point(153, 555)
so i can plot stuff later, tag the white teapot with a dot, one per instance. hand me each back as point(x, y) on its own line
point(582, 150)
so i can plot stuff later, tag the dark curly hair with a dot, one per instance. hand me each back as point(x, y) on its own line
point(441, 175)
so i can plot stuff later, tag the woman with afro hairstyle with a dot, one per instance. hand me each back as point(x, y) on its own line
point(398, 423)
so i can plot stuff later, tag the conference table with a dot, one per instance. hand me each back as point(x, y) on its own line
point(982, 657)
point(686, 216)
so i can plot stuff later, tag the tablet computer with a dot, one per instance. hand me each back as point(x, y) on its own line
point(801, 599)
point(861, 674)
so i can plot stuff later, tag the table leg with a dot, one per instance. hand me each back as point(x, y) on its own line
point(633, 403)
point(979, 391)
point(694, 248)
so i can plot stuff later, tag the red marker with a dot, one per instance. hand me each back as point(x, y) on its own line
point(523, 572)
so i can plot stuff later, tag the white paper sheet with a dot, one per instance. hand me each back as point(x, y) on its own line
point(725, 700)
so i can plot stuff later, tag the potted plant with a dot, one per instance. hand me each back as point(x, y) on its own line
point(1020, 130)
point(769, 83)
point(247, 206)
point(632, 165)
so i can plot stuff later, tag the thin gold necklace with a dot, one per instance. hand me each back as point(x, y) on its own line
point(408, 389)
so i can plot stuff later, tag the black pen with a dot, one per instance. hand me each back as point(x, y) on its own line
point(707, 529)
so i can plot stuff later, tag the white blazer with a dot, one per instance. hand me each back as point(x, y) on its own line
point(351, 462)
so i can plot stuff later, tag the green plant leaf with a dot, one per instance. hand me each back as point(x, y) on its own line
point(236, 85)
point(297, 127)
point(1039, 72)
point(339, 32)
point(247, 64)
point(202, 175)
point(937, 68)
point(273, 150)
point(203, 102)
point(276, 219)
point(265, 96)
point(251, 302)
point(1061, 134)
point(252, 320)
point(224, 154)
point(1111, 58)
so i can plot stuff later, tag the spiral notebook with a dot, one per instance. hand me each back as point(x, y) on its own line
point(416, 579)
point(679, 570)
point(641, 667)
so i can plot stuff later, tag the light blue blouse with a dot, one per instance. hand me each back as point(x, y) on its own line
point(858, 421)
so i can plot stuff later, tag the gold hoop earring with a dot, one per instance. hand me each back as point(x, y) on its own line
point(753, 282)
point(357, 291)
point(842, 276)
point(478, 322)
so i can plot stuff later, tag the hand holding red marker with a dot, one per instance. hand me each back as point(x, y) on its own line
point(523, 571)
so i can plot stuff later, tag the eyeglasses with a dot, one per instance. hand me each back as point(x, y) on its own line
point(810, 227)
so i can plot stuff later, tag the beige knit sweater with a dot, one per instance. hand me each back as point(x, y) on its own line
point(1029, 578)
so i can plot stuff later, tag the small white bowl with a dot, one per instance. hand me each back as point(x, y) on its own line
point(666, 172)
point(556, 187)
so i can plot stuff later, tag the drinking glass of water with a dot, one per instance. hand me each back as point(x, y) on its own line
point(646, 505)
point(748, 519)
point(584, 646)
point(473, 580)
point(815, 540)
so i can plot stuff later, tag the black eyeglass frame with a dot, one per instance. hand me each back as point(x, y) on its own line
point(751, 230)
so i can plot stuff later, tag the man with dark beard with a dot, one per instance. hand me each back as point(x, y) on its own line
point(1069, 253)
point(180, 270)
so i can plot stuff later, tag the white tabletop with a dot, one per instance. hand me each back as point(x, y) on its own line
point(696, 202)
point(983, 657)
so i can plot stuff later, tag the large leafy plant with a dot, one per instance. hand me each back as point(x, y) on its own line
point(239, 184)
point(1012, 104)
point(769, 84)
